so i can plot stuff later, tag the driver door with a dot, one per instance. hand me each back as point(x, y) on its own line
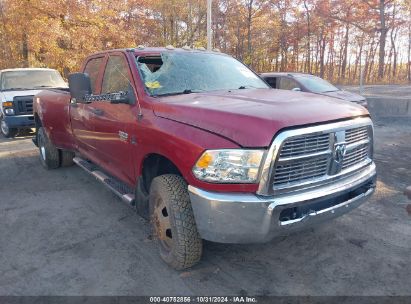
point(112, 122)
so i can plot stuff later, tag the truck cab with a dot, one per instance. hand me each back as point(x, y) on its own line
point(17, 88)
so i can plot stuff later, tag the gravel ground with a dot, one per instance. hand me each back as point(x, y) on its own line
point(62, 233)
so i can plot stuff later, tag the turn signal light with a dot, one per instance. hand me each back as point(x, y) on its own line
point(204, 160)
point(7, 104)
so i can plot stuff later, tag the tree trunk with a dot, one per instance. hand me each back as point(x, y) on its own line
point(25, 51)
point(383, 38)
point(249, 22)
point(323, 44)
point(308, 66)
point(345, 55)
point(409, 53)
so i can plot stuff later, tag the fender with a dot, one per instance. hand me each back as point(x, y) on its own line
point(183, 145)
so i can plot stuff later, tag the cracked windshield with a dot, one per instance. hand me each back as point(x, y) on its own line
point(184, 73)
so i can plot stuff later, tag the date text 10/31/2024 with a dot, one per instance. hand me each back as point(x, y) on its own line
point(206, 299)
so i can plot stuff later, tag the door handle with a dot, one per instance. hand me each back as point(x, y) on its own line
point(98, 112)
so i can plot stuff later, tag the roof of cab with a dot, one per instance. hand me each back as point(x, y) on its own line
point(150, 50)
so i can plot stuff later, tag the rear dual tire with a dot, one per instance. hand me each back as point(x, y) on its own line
point(50, 156)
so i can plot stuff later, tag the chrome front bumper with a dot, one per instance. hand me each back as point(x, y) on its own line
point(248, 218)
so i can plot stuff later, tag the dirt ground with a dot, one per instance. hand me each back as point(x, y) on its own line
point(63, 233)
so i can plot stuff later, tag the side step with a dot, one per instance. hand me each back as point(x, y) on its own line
point(119, 188)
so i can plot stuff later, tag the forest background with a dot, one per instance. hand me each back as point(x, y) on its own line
point(334, 39)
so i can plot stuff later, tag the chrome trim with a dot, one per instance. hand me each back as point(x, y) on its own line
point(285, 160)
point(330, 209)
point(327, 179)
point(128, 198)
point(327, 189)
point(102, 177)
point(249, 218)
point(269, 162)
point(357, 144)
point(340, 186)
point(99, 175)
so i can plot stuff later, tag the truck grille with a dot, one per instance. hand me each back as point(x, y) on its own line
point(23, 105)
point(355, 156)
point(301, 170)
point(305, 145)
point(356, 135)
point(312, 157)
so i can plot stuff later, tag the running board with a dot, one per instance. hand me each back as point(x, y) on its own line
point(119, 188)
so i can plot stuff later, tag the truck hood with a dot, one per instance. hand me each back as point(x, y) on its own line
point(9, 95)
point(252, 117)
point(345, 95)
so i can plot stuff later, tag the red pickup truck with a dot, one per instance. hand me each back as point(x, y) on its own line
point(204, 148)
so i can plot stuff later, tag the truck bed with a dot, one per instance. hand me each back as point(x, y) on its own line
point(55, 101)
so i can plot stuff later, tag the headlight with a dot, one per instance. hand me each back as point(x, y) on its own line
point(229, 166)
point(9, 111)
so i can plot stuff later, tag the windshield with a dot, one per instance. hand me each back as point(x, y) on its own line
point(31, 79)
point(316, 84)
point(183, 73)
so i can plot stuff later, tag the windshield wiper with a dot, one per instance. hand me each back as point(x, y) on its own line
point(246, 87)
point(15, 89)
point(43, 86)
point(186, 91)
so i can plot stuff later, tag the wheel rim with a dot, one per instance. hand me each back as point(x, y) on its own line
point(42, 148)
point(4, 127)
point(162, 226)
point(43, 152)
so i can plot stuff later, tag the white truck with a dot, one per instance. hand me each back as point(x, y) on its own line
point(17, 88)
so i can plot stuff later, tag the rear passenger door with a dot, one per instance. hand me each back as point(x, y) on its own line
point(80, 113)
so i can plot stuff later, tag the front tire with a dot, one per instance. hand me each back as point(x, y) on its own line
point(6, 131)
point(173, 222)
point(49, 154)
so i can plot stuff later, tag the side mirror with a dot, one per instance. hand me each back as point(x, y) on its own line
point(127, 97)
point(119, 97)
point(296, 89)
point(80, 86)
